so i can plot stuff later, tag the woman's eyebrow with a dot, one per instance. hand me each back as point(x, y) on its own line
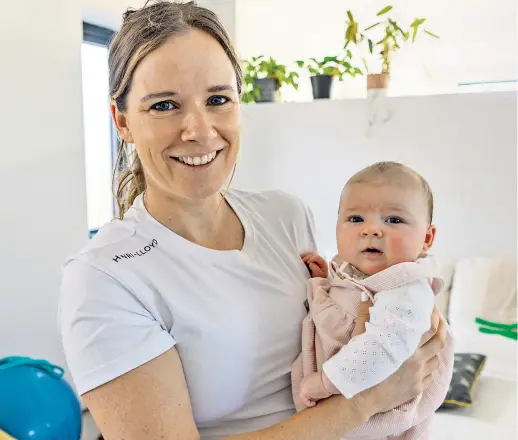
point(220, 88)
point(169, 93)
point(155, 95)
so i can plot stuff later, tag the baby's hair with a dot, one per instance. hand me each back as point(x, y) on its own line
point(395, 173)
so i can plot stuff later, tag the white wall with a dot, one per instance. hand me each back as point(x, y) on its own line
point(478, 40)
point(42, 171)
point(107, 13)
point(464, 145)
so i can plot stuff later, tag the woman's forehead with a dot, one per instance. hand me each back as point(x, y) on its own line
point(193, 60)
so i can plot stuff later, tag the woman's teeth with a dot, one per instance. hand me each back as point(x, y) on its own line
point(198, 160)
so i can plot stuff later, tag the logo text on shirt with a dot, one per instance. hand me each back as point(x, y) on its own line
point(138, 253)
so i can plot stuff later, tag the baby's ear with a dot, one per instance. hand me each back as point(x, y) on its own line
point(429, 238)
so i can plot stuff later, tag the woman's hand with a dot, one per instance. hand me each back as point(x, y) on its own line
point(413, 377)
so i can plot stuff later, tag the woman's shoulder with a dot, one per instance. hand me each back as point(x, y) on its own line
point(111, 241)
point(281, 213)
point(277, 202)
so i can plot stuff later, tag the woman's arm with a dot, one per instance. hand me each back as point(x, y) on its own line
point(152, 401)
point(149, 402)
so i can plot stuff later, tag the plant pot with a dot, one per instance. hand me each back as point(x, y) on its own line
point(321, 85)
point(377, 81)
point(267, 89)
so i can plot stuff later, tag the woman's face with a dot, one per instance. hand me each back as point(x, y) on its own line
point(183, 116)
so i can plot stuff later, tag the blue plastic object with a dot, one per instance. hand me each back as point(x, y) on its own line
point(35, 402)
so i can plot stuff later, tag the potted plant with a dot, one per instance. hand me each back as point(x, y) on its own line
point(392, 37)
point(324, 71)
point(263, 77)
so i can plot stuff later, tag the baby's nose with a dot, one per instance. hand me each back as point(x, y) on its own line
point(372, 230)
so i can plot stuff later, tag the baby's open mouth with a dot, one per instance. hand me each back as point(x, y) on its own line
point(372, 251)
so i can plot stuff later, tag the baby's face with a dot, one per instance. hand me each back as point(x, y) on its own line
point(381, 224)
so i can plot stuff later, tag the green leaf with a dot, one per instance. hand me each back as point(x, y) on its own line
point(370, 45)
point(350, 15)
point(415, 25)
point(365, 65)
point(395, 26)
point(372, 26)
point(384, 10)
point(414, 33)
point(431, 34)
point(419, 21)
point(349, 54)
point(300, 63)
point(330, 59)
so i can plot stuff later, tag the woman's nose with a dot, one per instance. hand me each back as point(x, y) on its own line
point(197, 127)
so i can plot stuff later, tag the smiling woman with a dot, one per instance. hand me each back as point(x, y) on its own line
point(169, 107)
point(182, 318)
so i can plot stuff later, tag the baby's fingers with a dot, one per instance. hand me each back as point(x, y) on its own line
point(306, 256)
point(306, 402)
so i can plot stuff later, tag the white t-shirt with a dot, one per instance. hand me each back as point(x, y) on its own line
point(138, 289)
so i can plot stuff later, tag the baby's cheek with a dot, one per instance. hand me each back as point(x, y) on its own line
point(345, 242)
point(398, 246)
point(404, 247)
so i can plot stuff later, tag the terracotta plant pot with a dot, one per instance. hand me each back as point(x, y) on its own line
point(377, 81)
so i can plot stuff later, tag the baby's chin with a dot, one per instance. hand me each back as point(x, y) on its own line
point(370, 266)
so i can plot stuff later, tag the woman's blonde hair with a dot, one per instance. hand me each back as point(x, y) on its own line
point(143, 31)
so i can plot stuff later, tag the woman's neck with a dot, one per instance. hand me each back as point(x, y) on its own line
point(207, 222)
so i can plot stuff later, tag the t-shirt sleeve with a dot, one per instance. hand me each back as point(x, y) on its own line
point(307, 235)
point(310, 220)
point(105, 330)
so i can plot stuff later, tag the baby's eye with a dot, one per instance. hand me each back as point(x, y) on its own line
point(394, 220)
point(355, 219)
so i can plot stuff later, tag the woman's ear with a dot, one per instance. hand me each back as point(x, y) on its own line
point(121, 123)
point(429, 238)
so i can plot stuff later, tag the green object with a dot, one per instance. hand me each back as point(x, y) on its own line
point(331, 65)
point(393, 37)
point(497, 328)
point(259, 67)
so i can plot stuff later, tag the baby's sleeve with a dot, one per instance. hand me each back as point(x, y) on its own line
point(398, 319)
point(105, 330)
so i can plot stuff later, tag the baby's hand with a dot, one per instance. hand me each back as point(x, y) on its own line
point(316, 264)
point(312, 390)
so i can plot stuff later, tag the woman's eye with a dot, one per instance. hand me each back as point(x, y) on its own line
point(163, 106)
point(355, 219)
point(394, 220)
point(218, 100)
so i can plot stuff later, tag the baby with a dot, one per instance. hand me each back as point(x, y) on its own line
point(383, 234)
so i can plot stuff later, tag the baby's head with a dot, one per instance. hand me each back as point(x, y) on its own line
point(385, 217)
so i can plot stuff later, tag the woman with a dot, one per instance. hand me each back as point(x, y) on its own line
point(181, 319)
